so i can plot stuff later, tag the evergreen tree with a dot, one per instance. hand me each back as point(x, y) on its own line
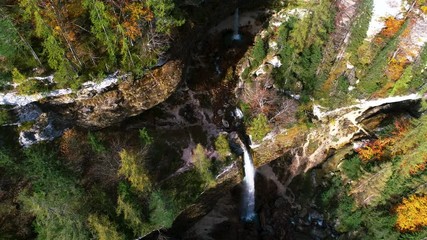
point(102, 26)
point(56, 201)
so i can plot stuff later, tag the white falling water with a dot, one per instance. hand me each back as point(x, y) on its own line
point(249, 187)
point(238, 113)
point(236, 35)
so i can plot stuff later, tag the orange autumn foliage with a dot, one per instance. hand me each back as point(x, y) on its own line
point(420, 167)
point(373, 150)
point(412, 214)
point(392, 25)
point(68, 139)
point(378, 40)
point(400, 127)
point(395, 69)
point(134, 13)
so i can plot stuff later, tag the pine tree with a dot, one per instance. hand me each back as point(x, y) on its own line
point(102, 26)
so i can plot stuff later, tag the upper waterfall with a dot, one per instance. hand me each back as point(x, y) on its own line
point(236, 35)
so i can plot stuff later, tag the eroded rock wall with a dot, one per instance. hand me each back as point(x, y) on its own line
point(129, 98)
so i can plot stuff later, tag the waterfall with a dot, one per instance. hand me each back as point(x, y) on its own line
point(249, 187)
point(236, 35)
point(238, 113)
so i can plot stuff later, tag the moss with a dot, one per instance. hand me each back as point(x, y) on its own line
point(4, 117)
point(245, 73)
point(25, 126)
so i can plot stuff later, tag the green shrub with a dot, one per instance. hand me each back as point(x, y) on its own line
point(365, 53)
point(17, 77)
point(167, 15)
point(145, 138)
point(379, 225)
point(258, 52)
point(203, 165)
point(375, 77)
point(25, 126)
point(162, 210)
point(402, 85)
point(95, 143)
point(56, 201)
point(349, 217)
point(7, 162)
point(185, 188)
point(4, 117)
point(351, 167)
point(222, 146)
point(245, 73)
point(10, 42)
point(419, 72)
point(31, 86)
point(131, 213)
point(330, 194)
point(259, 127)
point(300, 46)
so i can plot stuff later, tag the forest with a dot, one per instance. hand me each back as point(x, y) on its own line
point(79, 40)
point(147, 174)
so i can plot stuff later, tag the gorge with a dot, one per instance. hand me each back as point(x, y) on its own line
point(213, 120)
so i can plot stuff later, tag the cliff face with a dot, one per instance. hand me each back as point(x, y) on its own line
point(129, 98)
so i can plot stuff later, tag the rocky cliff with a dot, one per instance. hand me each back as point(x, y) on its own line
point(128, 98)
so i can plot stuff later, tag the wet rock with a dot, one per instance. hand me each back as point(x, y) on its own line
point(188, 113)
point(45, 127)
point(206, 201)
point(315, 216)
point(28, 113)
point(317, 233)
point(280, 203)
point(267, 230)
point(303, 212)
point(225, 123)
